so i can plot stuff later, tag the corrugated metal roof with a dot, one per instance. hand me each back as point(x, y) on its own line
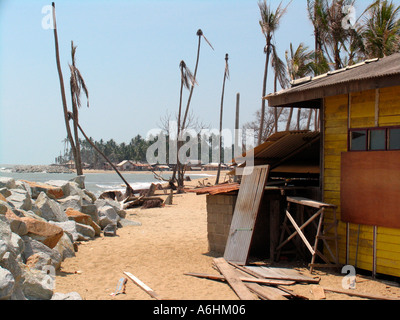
point(367, 70)
point(218, 189)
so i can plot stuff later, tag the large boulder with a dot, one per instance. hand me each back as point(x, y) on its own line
point(7, 283)
point(6, 182)
point(33, 246)
point(74, 202)
point(85, 232)
point(50, 209)
point(108, 215)
point(44, 232)
point(82, 218)
point(65, 247)
point(20, 199)
point(37, 284)
point(53, 192)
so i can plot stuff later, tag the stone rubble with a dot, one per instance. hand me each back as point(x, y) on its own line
point(41, 225)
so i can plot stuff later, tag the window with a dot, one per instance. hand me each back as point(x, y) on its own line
point(358, 140)
point(394, 139)
point(374, 139)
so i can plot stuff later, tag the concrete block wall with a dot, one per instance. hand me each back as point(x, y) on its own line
point(220, 210)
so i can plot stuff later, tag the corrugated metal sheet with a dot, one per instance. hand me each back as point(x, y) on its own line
point(245, 215)
point(282, 145)
point(219, 189)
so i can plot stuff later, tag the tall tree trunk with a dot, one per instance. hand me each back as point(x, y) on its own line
point(199, 33)
point(220, 122)
point(264, 92)
point(78, 159)
point(62, 88)
point(178, 166)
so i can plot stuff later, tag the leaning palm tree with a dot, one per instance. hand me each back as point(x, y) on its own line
point(381, 29)
point(269, 24)
point(200, 34)
point(226, 76)
point(62, 87)
point(77, 84)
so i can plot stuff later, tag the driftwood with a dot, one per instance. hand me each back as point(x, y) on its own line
point(143, 286)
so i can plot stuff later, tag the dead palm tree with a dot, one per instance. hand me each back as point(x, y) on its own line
point(62, 88)
point(187, 81)
point(269, 24)
point(381, 29)
point(77, 84)
point(226, 76)
point(200, 34)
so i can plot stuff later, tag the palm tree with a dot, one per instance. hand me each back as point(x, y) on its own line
point(200, 34)
point(381, 29)
point(269, 24)
point(300, 63)
point(187, 81)
point(226, 76)
point(77, 84)
point(62, 88)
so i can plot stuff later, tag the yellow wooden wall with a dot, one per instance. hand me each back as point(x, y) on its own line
point(358, 110)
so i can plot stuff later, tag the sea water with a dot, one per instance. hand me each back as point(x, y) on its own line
point(95, 182)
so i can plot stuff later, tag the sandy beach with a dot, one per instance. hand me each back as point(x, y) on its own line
point(170, 242)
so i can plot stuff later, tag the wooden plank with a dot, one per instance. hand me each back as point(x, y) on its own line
point(360, 295)
point(234, 281)
point(245, 214)
point(309, 202)
point(300, 233)
point(244, 279)
point(265, 293)
point(285, 274)
point(143, 286)
point(318, 292)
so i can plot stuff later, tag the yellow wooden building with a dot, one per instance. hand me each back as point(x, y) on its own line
point(359, 112)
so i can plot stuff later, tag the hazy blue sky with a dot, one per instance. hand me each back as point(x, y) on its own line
point(129, 54)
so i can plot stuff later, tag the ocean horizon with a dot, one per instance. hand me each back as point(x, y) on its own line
point(95, 182)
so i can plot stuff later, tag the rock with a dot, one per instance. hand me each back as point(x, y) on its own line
point(6, 182)
point(128, 223)
point(5, 230)
point(73, 202)
point(85, 232)
point(38, 261)
point(3, 248)
point(50, 209)
point(19, 227)
point(7, 283)
point(20, 199)
point(66, 296)
point(11, 263)
point(110, 230)
point(91, 210)
point(33, 246)
point(80, 181)
point(65, 247)
point(107, 215)
point(4, 193)
point(37, 284)
point(69, 227)
point(44, 232)
point(52, 192)
point(80, 217)
point(72, 189)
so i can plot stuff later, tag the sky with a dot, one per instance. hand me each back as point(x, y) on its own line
point(129, 52)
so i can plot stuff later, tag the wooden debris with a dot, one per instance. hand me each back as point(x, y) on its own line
point(360, 295)
point(265, 293)
point(318, 292)
point(281, 274)
point(234, 281)
point(244, 279)
point(143, 286)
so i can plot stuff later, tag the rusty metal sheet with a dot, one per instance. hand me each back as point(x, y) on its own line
point(245, 215)
point(370, 188)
